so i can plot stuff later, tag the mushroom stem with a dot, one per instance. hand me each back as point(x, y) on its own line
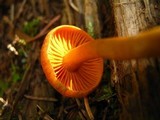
point(78, 55)
point(145, 44)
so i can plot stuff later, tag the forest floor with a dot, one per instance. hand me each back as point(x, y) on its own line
point(24, 91)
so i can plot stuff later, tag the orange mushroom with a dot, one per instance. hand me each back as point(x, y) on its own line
point(72, 60)
point(77, 82)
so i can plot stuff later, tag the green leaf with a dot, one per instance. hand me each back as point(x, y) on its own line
point(31, 27)
point(3, 87)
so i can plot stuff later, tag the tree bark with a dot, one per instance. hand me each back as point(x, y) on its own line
point(137, 81)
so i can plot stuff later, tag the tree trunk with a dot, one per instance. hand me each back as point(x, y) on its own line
point(137, 81)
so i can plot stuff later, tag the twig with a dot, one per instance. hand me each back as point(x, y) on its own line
point(88, 109)
point(68, 12)
point(44, 30)
point(20, 9)
point(12, 12)
point(40, 98)
point(82, 113)
point(125, 3)
point(105, 114)
point(12, 49)
point(4, 106)
point(20, 117)
point(42, 113)
point(9, 22)
point(61, 108)
point(73, 6)
point(2, 100)
point(43, 5)
point(66, 109)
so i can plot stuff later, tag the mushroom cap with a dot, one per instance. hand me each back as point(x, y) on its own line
point(77, 83)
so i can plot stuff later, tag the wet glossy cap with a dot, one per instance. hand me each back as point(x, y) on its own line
point(57, 44)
